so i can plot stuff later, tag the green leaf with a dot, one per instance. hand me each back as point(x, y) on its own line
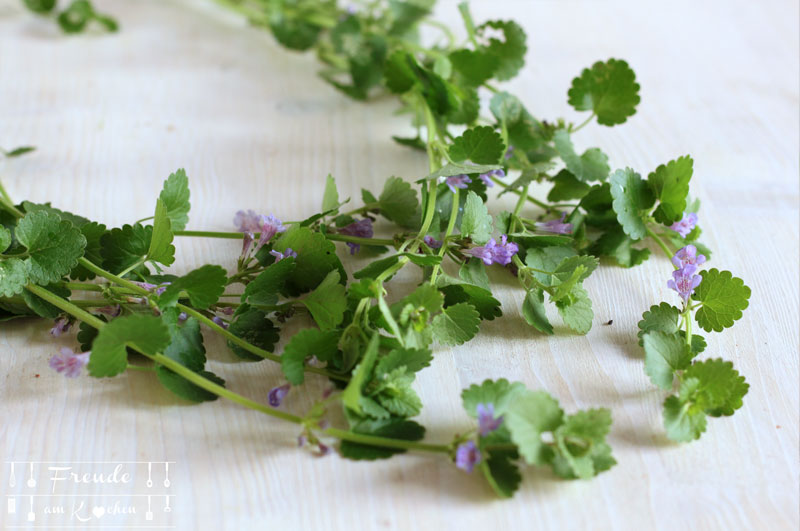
point(481, 145)
point(591, 166)
point(186, 341)
point(632, 197)
point(123, 247)
point(683, 422)
point(456, 325)
point(292, 32)
point(398, 73)
point(376, 268)
point(93, 232)
point(327, 303)
point(476, 223)
point(534, 313)
point(501, 473)
point(476, 67)
point(576, 310)
point(406, 430)
point(5, 239)
point(568, 267)
point(500, 393)
point(40, 6)
point(185, 389)
point(330, 198)
point(608, 89)
point(252, 325)
point(414, 360)
point(664, 354)
point(87, 334)
point(566, 186)
point(203, 286)
point(161, 249)
point(266, 287)
point(306, 343)
point(13, 277)
point(659, 318)
point(488, 307)
point(547, 259)
point(724, 297)
point(398, 202)
point(720, 389)
point(474, 272)
point(351, 397)
point(619, 246)
point(452, 168)
point(144, 333)
point(175, 195)
point(509, 53)
point(54, 246)
point(530, 414)
point(316, 257)
point(16, 152)
point(581, 445)
point(670, 185)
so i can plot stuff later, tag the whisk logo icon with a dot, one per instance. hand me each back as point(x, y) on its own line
point(63, 494)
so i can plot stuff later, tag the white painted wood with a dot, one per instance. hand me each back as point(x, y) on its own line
point(185, 84)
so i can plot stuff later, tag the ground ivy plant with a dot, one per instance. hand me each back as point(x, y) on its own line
point(368, 339)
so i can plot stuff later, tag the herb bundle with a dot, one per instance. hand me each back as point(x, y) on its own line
point(366, 338)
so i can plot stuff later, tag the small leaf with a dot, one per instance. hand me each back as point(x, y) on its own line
point(144, 333)
point(501, 394)
point(665, 354)
point(54, 246)
point(576, 310)
point(608, 89)
point(327, 303)
point(670, 184)
point(175, 195)
point(265, 288)
point(351, 397)
point(406, 430)
point(450, 169)
point(456, 325)
point(476, 223)
point(724, 298)
point(534, 313)
point(203, 286)
point(591, 166)
point(316, 257)
point(161, 249)
point(398, 202)
point(566, 186)
point(185, 389)
point(530, 414)
point(632, 197)
point(330, 198)
point(13, 277)
point(123, 247)
point(481, 145)
point(304, 344)
point(252, 325)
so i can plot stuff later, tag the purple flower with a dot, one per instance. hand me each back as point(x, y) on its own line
point(182, 317)
point(324, 449)
point(685, 225)
point(467, 456)
point(509, 152)
point(69, 362)
point(285, 254)
point(556, 226)
point(220, 322)
point(61, 326)
point(361, 229)
point(228, 310)
point(157, 289)
point(247, 242)
point(487, 177)
point(277, 394)
point(270, 226)
point(487, 422)
point(432, 242)
point(687, 255)
point(457, 181)
point(493, 252)
point(684, 281)
point(248, 221)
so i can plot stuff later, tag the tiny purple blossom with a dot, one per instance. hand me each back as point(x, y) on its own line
point(69, 362)
point(220, 322)
point(685, 225)
point(182, 317)
point(684, 281)
point(324, 449)
point(228, 310)
point(457, 181)
point(61, 326)
point(269, 228)
point(247, 242)
point(432, 242)
point(487, 422)
point(487, 177)
point(360, 229)
point(277, 394)
point(687, 255)
point(467, 456)
point(285, 254)
point(493, 252)
point(509, 152)
point(248, 221)
point(556, 226)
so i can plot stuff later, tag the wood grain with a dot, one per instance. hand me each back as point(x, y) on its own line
point(185, 84)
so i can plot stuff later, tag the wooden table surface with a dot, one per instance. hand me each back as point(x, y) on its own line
point(186, 84)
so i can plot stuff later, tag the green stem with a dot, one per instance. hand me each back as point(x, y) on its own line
point(140, 368)
point(132, 267)
point(583, 124)
point(240, 235)
point(547, 207)
point(661, 243)
point(451, 223)
point(384, 442)
point(358, 240)
point(65, 305)
point(518, 208)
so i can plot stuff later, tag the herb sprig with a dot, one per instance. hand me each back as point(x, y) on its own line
point(368, 341)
